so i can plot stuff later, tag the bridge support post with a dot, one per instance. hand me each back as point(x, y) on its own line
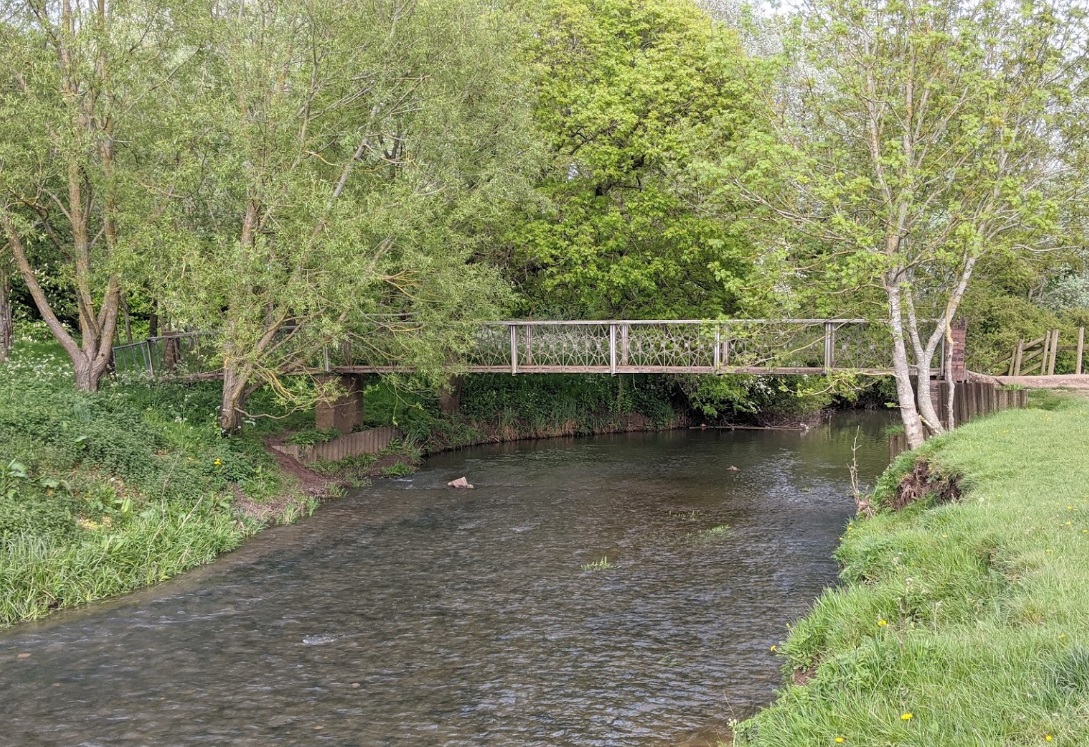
point(450, 396)
point(829, 346)
point(959, 333)
point(346, 411)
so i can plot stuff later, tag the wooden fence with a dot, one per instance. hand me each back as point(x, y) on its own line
point(1038, 357)
point(972, 399)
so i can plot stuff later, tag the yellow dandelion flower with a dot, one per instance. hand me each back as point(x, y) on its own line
point(907, 716)
point(1047, 737)
point(217, 462)
point(840, 740)
point(882, 623)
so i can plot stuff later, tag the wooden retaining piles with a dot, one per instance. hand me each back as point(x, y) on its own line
point(972, 399)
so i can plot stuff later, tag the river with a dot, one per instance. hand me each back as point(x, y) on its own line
point(620, 590)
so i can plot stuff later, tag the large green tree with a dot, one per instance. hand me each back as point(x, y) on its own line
point(912, 138)
point(627, 93)
point(77, 86)
point(331, 168)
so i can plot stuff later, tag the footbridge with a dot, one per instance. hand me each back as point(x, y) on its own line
point(748, 346)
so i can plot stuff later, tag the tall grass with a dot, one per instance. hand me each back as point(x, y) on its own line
point(958, 624)
point(39, 574)
point(102, 493)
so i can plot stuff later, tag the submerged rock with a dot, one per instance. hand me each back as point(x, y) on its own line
point(461, 482)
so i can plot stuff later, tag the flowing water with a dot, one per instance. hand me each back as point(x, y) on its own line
point(587, 592)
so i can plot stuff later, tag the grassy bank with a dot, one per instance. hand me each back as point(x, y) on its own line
point(961, 621)
point(103, 493)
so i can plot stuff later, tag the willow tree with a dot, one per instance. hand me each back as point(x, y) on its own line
point(913, 138)
point(329, 164)
point(76, 81)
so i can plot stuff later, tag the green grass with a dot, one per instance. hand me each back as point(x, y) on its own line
point(103, 493)
point(602, 564)
point(711, 535)
point(971, 616)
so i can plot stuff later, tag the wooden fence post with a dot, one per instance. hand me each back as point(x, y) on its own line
point(1020, 354)
point(150, 358)
point(1081, 350)
point(1054, 352)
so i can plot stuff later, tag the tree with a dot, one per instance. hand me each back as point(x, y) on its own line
point(627, 93)
point(75, 79)
point(330, 169)
point(916, 137)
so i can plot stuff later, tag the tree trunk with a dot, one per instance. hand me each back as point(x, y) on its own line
point(927, 411)
point(950, 402)
point(234, 397)
point(905, 394)
point(92, 354)
point(6, 316)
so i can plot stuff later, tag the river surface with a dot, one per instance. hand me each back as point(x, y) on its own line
point(413, 614)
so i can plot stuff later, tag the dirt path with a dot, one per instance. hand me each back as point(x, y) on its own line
point(1068, 382)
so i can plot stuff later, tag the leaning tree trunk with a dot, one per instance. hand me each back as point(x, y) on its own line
point(233, 400)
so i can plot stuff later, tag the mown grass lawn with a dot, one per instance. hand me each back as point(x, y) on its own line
point(962, 623)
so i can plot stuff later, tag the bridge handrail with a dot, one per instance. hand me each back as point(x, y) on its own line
point(614, 346)
point(636, 322)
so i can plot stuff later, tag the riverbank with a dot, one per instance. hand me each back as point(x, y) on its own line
point(102, 494)
point(592, 577)
point(963, 617)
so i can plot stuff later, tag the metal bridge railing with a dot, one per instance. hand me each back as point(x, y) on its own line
point(802, 346)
